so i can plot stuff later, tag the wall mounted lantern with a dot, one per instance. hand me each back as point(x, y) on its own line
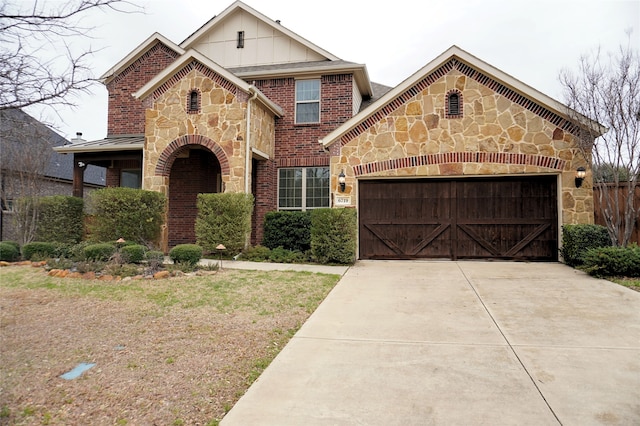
point(581, 173)
point(342, 181)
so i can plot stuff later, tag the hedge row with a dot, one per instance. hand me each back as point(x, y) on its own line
point(330, 234)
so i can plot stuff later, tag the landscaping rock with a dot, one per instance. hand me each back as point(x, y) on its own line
point(161, 274)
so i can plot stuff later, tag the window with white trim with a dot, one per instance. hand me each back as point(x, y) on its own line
point(307, 101)
point(303, 188)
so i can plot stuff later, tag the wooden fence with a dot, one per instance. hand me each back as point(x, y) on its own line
point(622, 190)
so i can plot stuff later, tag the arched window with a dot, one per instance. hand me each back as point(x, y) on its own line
point(453, 104)
point(193, 102)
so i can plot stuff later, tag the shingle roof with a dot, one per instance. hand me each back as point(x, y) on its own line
point(114, 143)
point(18, 128)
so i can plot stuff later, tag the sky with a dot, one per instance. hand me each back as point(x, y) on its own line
point(531, 40)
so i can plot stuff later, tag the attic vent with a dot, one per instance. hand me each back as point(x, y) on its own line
point(193, 102)
point(240, 44)
point(454, 104)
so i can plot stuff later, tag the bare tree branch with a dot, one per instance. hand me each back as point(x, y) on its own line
point(38, 62)
point(606, 89)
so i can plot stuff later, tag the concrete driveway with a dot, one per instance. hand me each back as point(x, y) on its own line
point(457, 343)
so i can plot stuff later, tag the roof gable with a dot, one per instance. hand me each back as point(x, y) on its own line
point(139, 51)
point(265, 40)
point(195, 60)
point(468, 65)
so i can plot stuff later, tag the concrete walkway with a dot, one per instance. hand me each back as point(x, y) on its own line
point(457, 343)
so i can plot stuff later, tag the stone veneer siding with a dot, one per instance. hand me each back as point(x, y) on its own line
point(220, 126)
point(498, 134)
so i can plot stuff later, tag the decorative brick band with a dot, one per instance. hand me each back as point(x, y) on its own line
point(169, 154)
point(304, 161)
point(469, 72)
point(138, 62)
point(460, 157)
point(197, 66)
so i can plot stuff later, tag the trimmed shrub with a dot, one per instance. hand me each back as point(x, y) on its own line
point(133, 253)
point(289, 230)
point(9, 251)
point(282, 255)
point(333, 235)
point(133, 214)
point(13, 243)
point(99, 252)
point(613, 261)
point(60, 219)
point(186, 253)
point(256, 254)
point(224, 219)
point(76, 252)
point(38, 250)
point(578, 239)
point(154, 256)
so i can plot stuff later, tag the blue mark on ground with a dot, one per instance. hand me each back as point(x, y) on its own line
point(77, 371)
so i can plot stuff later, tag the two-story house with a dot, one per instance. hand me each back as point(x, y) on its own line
point(458, 161)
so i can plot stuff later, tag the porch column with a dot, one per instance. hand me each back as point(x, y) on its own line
point(78, 177)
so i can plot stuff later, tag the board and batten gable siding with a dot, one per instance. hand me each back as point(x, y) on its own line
point(495, 136)
point(263, 44)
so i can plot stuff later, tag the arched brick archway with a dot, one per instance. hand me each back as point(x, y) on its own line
point(168, 156)
point(192, 165)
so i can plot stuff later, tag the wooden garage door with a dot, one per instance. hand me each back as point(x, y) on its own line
point(474, 218)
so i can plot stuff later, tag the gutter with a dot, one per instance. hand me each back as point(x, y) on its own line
point(247, 163)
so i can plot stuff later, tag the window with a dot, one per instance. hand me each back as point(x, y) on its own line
point(454, 104)
point(307, 101)
point(303, 188)
point(131, 178)
point(240, 43)
point(193, 103)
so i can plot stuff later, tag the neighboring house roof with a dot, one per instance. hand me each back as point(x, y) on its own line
point(537, 100)
point(202, 31)
point(192, 55)
point(117, 143)
point(17, 128)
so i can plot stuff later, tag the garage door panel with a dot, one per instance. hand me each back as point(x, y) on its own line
point(404, 240)
point(507, 218)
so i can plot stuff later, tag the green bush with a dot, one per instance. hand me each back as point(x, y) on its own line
point(38, 250)
point(9, 251)
point(99, 252)
point(256, 254)
point(76, 252)
point(578, 239)
point(282, 255)
point(133, 253)
point(333, 235)
point(133, 214)
point(154, 256)
point(289, 230)
point(224, 219)
point(613, 261)
point(186, 253)
point(60, 219)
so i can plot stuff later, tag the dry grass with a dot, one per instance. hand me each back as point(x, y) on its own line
point(167, 352)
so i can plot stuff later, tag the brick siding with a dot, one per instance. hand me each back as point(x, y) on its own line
point(126, 114)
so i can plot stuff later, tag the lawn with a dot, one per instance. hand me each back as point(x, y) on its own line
point(177, 351)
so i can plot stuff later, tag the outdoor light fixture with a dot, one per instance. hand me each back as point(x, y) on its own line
point(581, 173)
point(341, 181)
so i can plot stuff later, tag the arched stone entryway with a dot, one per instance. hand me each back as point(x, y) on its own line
point(192, 165)
point(194, 171)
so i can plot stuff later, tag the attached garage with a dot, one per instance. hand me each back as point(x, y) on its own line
point(464, 218)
